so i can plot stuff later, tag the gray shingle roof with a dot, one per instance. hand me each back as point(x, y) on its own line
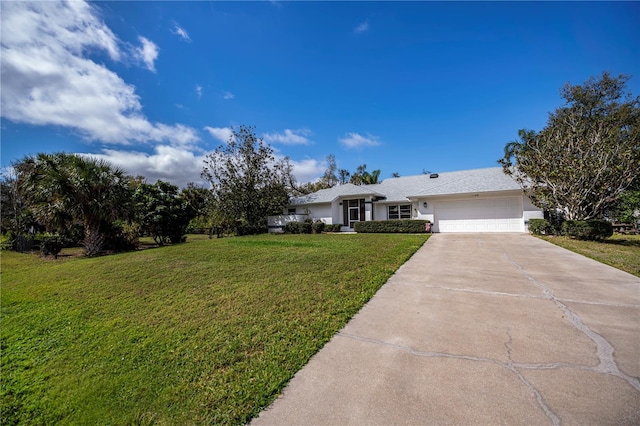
point(399, 189)
point(461, 182)
point(330, 194)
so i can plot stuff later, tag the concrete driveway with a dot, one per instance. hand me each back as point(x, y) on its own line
point(480, 329)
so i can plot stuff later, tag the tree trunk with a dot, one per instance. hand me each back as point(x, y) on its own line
point(93, 241)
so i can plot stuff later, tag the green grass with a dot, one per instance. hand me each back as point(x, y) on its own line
point(206, 332)
point(619, 251)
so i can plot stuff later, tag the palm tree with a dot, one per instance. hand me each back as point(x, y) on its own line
point(61, 188)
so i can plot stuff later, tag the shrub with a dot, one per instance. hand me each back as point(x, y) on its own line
point(291, 228)
point(50, 244)
point(306, 227)
point(541, 227)
point(318, 227)
point(6, 241)
point(588, 229)
point(336, 227)
point(406, 226)
point(121, 236)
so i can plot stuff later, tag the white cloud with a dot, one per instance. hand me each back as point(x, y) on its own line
point(148, 53)
point(228, 95)
point(363, 27)
point(307, 170)
point(199, 91)
point(178, 165)
point(178, 30)
point(221, 133)
point(289, 137)
point(355, 140)
point(48, 80)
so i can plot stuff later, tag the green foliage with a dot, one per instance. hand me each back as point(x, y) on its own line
point(248, 184)
point(306, 227)
point(363, 177)
point(541, 227)
point(627, 207)
point(588, 153)
point(162, 337)
point(163, 212)
point(291, 228)
point(587, 229)
point(318, 227)
point(406, 226)
point(15, 215)
point(50, 244)
point(61, 189)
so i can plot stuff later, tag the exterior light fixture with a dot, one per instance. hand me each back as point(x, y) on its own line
point(424, 204)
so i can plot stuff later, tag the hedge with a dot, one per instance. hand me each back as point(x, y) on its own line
point(541, 227)
point(391, 226)
point(587, 229)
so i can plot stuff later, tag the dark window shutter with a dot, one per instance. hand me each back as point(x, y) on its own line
point(345, 212)
point(362, 210)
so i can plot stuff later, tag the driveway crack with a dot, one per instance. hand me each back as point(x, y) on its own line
point(604, 349)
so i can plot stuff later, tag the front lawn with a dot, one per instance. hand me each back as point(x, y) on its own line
point(206, 332)
point(619, 251)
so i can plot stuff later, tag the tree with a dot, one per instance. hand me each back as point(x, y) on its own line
point(626, 209)
point(62, 188)
point(16, 217)
point(329, 177)
point(247, 182)
point(163, 212)
point(343, 176)
point(363, 177)
point(395, 175)
point(588, 153)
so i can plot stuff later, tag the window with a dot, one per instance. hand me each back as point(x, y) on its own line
point(291, 210)
point(402, 211)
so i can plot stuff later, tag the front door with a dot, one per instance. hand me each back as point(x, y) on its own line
point(354, 216)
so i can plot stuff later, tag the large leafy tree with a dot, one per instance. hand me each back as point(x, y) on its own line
point(588, 153)
point(247, 181)
point(163, 212)
point(62, 188)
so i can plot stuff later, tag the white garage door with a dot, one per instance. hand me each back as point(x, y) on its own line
point(479, 215)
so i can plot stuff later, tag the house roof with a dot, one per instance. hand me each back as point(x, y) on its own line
point(330, 194)
point(447, 183)
point(421, 186)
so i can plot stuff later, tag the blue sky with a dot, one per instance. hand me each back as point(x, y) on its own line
point(401, 86)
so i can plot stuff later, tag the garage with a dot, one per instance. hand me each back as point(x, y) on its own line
point(479, 215)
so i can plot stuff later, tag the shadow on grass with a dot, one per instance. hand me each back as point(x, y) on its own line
point(626, 243)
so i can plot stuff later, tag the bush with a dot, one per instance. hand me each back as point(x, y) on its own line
point(336, 227)
point(406, 226)
point(291, 228)
point(306, 227)
point(541, 227)
point(318, 227)
point(121, 236)
point(588, 229)
point(50, 244)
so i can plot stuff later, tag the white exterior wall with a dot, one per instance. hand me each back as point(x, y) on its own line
point(529, 211)
point(425, 213)
point(418, 211)
point(321, 212)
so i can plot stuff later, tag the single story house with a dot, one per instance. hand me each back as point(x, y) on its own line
point(481, 200)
